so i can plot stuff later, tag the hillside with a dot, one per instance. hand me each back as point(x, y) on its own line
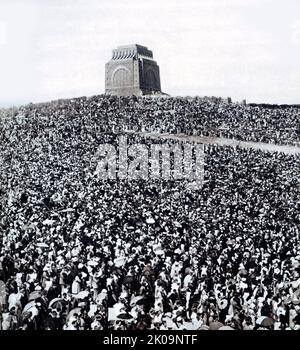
point(139, 253)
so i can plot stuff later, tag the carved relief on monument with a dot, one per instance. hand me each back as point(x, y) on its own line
point(150, 78)
point(121, 77)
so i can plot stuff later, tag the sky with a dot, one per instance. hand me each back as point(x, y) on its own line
point(54, 49)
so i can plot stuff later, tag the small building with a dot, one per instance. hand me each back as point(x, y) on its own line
point(132, 71)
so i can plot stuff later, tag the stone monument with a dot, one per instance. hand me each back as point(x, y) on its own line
point(132, 71)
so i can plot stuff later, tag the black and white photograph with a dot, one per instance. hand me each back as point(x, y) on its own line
point(149, 168)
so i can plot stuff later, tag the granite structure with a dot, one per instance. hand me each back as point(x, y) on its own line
point(132, 71)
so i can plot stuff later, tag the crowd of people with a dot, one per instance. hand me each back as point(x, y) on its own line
point(213, 117)
point(81, 253)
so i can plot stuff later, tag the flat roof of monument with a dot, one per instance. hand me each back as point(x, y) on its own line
point(130, 51)
point(131, 46)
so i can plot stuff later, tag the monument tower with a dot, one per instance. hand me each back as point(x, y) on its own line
point(132, 71)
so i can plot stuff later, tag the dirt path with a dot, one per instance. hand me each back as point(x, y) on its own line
point(268, 147)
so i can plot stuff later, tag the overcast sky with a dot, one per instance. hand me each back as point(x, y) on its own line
point(244, 49)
